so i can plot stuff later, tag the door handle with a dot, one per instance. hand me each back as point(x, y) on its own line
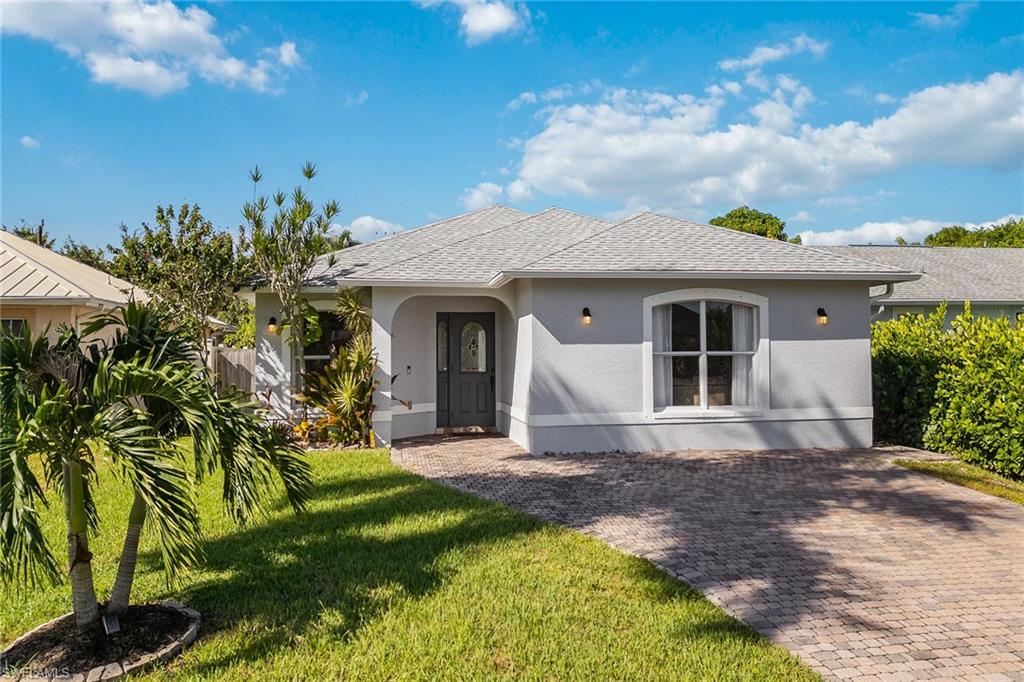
point(492, 381)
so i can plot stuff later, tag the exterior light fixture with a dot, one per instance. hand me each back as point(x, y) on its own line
point(587, 319)
point(822, 317)
point(272, 327)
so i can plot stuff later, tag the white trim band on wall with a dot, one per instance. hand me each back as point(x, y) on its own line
point(634, 418)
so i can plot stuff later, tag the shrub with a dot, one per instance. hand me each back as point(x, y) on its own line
point(342, 394)
point(978, 411)
point(958, 390)
point(906, 356)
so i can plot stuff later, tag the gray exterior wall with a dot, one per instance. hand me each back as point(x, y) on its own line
point(562, 386)
point(587, 386)
point(273, 355)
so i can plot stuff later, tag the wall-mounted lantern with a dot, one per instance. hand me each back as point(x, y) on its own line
point(272, 327)
point(822, 317)
point(587, 319)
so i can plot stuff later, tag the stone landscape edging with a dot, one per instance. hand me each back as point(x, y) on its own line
point(117, 669)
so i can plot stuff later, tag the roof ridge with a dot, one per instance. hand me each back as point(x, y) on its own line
point(34, 262)
point(348, 249)
point(576, 243)
point(778, 241)
point(528, 216)
point(102, 278)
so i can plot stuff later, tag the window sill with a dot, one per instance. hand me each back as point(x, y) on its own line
point(697, 413)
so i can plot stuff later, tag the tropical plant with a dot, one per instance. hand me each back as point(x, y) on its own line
point(1008, 234)
point(978, 408)
point(284, 247)
point(907, 354)
point(746, 219)
point(65, 406)
point(343, 391)
point(87, 255)
point(189, 265)
point(37, 235)
point(956, 389)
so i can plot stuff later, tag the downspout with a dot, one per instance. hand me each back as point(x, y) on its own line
point(889, 288)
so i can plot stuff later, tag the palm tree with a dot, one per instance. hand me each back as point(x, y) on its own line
point(64, 405)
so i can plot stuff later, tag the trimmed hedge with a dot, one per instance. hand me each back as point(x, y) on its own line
point(958, 390)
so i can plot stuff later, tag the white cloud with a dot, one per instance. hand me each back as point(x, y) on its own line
point(854, 200)
point(554, 94)
point(954, 18)
point(366, 228)
point(886, 232)
point(636, 67)
point(862, 92)
point(151, 47)
point(481, 196)
point(29, 142)
point(801, 217)
point(654, 148)
point(143, 75)
point(482, 20)
point(766, 54)
point(732, 87)
point(357, 99)
point(288, 55)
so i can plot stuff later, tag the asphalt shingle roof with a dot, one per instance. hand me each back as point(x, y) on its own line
point(358, 261)
point(491, 244)
point(948, 273)
point(653, 242)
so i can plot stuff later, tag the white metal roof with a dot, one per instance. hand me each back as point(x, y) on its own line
point(31, 274)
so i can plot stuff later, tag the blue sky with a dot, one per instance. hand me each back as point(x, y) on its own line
point(854, 122)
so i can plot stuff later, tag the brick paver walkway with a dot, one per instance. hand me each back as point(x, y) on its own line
point(863, 569)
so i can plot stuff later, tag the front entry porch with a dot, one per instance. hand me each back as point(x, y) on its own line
point(447, 361)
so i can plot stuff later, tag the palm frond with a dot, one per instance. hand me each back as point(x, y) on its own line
point(147, 462)
point(25, 556)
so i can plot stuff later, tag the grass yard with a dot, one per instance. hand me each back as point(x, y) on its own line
point(391, 576)
point(969, 476)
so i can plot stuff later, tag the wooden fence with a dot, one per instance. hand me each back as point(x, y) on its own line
point(234, 367)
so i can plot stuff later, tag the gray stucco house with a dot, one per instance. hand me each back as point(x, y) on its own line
point(992, 279)
point(569, 333)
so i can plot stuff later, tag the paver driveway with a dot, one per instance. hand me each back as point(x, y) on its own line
point(863, 569)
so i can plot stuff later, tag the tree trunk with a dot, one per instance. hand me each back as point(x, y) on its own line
point(83, 589)
point(121, 595)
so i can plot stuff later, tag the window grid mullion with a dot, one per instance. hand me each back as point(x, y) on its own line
point(703, 362)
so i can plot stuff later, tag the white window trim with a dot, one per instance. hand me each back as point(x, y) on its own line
point(761, 371)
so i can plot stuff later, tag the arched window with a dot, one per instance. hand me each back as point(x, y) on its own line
point(473, 348)
point(705, 350)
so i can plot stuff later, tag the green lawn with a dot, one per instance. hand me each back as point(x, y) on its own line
point(969, 476)
point(391, 576)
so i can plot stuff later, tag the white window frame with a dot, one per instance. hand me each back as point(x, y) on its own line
point(760, 372)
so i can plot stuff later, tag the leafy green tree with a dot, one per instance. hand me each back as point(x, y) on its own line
point(65, 405)
point(189, 265)
point(36, 235)
point(746, 219)
point(88, 255)
point(284, 247)
point(1008, 234)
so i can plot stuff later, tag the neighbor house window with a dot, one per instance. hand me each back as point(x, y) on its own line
point(704, 350)
point(13, 326)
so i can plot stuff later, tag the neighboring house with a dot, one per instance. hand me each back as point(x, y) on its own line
point(570, 333)
point(42, 288)
point(991, 279)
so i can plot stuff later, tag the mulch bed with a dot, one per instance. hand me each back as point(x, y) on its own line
point(145, 629)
